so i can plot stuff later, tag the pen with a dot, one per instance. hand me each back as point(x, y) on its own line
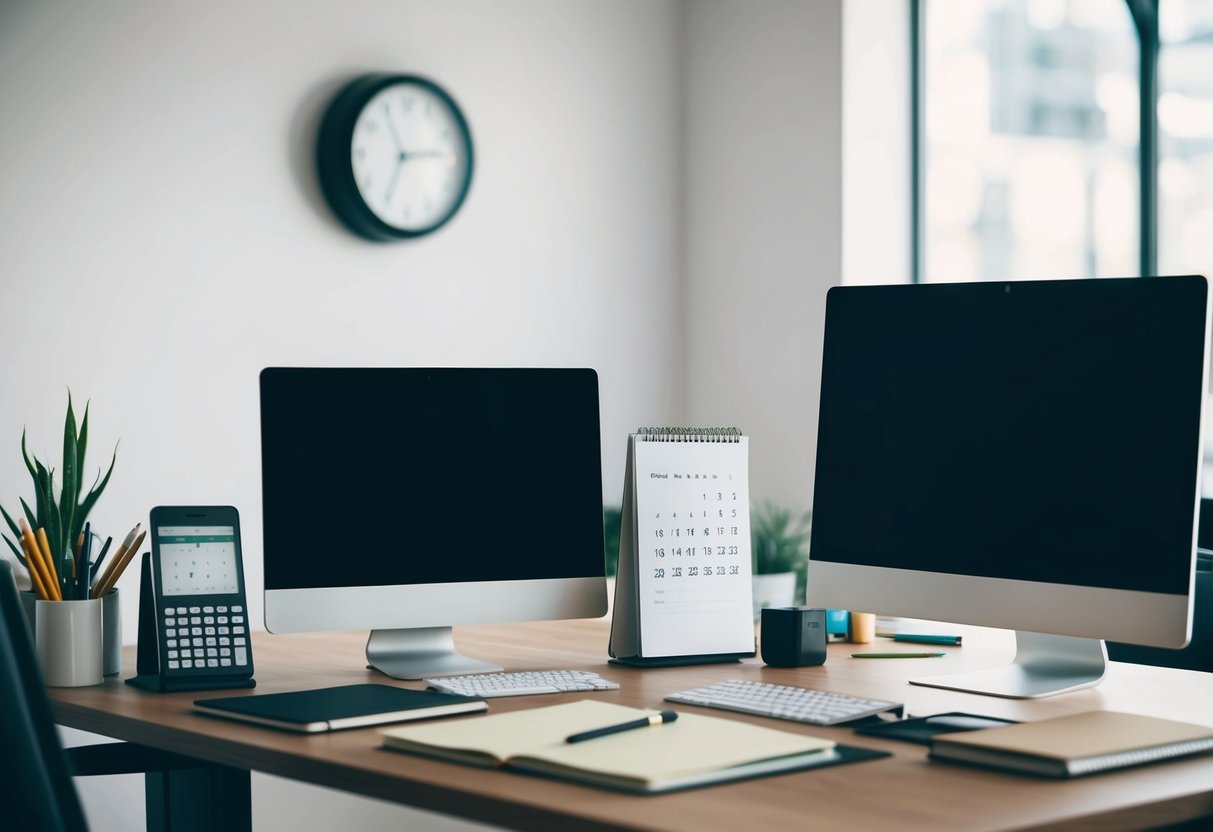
point(921, 638)
point(896, 655)
point(96, 567)
point(86, 551)
point(655, 719)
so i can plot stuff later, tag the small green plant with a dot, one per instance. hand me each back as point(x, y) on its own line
point(612, 519)
point(779, 540)
point(63, 519)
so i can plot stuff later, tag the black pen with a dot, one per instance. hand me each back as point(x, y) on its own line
point(655, 719)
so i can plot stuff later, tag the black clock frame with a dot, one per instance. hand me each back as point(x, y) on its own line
point(335, 164)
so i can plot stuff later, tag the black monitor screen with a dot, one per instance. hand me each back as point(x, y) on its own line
point(377, 477)
point(1042, 431)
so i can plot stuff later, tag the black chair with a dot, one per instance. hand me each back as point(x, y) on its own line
point(1198, 655)
point(36, 789)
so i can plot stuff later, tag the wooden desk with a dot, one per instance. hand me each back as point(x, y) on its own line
point(904, 791)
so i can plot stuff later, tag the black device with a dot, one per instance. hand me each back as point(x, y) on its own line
point(793, 636)
point(923, 729)
point(193, 614)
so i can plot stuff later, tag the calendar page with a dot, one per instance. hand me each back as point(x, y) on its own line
point(693, 541)
point(198, 560)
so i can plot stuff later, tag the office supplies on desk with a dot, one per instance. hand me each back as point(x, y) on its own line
point(338, 708)
point(1074, 745)
point(897, 655)
point(923, 729)
point(694, 751)
point(922, 638)
point(683, 590)
point(650, 721)
point(522, 683)
point(793, 636)
point(193, 628)
point(816, 707)
point(118, 566)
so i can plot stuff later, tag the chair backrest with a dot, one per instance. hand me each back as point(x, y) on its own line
point(36, 789)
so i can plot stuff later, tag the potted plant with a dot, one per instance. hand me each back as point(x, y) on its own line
point(60, 517)
point(779, 548)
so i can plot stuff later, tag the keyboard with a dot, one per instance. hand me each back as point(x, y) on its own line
point(521, 683)
point(816, 707)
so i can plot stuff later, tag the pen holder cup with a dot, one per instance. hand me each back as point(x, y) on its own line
point(68, 639)
point(862, 628)
point(111, 627)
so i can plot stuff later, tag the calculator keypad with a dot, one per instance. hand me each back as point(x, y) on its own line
point(195, 640)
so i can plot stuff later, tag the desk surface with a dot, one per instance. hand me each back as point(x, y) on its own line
point(905, 790)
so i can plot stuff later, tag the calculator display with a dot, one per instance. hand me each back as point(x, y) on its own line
point(198, 560)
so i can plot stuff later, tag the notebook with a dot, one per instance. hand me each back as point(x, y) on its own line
point(695, 750)
point(683, 591)
point(1071, 746)
point(332, 709)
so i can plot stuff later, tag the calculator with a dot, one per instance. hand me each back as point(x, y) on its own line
point(202, 628)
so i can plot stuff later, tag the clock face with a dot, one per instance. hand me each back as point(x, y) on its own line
point(410, 156)
point(394, 156)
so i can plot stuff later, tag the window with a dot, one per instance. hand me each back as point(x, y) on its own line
point(1030, 140)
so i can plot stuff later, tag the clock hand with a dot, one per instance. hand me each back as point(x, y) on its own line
point(409, 154)
point(387, 116)
point(391, 185)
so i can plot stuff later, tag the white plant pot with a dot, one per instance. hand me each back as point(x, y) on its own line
point(778, 590)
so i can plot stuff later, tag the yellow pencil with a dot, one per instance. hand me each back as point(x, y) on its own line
point(31, 542)
point(34, 575)
point(120, 566)
point(49, 561)
point(109, 570)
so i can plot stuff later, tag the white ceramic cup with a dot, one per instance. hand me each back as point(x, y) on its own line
point(68, 638)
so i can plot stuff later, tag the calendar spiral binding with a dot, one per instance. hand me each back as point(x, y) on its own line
point(670, 434)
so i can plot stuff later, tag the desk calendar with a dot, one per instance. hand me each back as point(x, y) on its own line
point(683, 591)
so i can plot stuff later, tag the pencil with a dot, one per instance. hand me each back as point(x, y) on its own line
point(34, 575)
point(33, 554)
point(120, 566)
point(126, 543)
point(44, 546)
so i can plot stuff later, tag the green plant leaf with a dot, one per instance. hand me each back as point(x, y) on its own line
point(90, 499)
point(71, 486)
point(16, 550)
point(41, 495)
point(30, 516)
point(54, 525)
point(25, 456)
point(81, 446)
point(11, 525)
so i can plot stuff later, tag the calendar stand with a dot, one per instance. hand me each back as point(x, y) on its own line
point(683, 588)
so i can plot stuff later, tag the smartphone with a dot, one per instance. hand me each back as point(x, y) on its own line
point(200, 605)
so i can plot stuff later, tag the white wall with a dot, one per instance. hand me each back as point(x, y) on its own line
point(162, 237)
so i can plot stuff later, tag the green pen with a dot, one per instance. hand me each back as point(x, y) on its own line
point(921, 638)
point(896, 655)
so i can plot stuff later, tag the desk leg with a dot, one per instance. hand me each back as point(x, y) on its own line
point(205, 799)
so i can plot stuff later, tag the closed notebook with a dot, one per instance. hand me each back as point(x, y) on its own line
point(1070, 746)
point(692, 751)
point(331, 709)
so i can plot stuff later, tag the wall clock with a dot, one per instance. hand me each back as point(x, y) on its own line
point(394, 156)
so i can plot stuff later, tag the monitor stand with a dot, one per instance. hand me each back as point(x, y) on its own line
point(1044, 665)
point(420, 652)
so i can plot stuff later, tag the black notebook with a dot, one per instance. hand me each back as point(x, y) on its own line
point(331, 709)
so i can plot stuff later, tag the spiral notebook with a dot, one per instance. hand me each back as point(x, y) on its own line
point(683, 591)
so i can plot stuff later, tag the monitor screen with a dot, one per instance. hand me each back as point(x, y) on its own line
point(1039, 431)
point(383, 477)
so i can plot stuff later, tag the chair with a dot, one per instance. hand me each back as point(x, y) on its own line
point(36, 789)
point(1198, 655)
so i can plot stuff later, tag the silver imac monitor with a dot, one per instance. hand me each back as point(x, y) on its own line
point(1016, 455)
point(409, 500)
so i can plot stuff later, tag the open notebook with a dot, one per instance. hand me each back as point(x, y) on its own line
point(693, 751)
